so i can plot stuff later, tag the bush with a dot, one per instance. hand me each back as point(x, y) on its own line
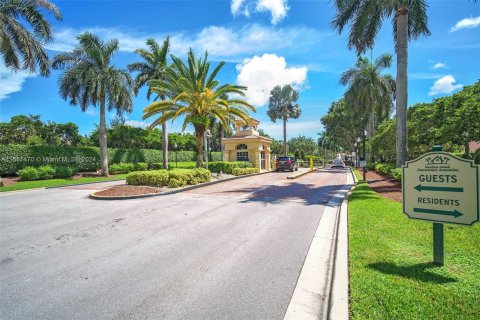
point(156, 166)
point(202, 175)
point(175, 183)
point(45, 172)
point(121, 168)
point(227, 167)
point(396, 174)
point(64, 172)
point(28, 174)
point(157, 178)
point(244, 171)
point(140, 166)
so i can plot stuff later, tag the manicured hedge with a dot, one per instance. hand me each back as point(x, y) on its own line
point(171, 178)
point(227, 167)
point(16, 157)
point(244, 171)
point(45, 172)
point(127, 167)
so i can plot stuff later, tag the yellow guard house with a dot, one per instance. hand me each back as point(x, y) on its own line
point(248, 145)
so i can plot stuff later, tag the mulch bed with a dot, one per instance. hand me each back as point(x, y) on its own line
point(126, 190)
point(387, 187)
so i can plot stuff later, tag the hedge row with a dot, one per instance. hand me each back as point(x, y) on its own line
point(227, 167)
point(387, 169)
point(244, 171)
point(16, 157)
point(45, 172)
point(173, 178)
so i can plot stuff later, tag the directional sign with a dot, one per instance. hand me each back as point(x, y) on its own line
point(443, 188)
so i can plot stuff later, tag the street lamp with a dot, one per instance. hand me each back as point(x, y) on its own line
point(364, 132)
point(206, 135)
point(176, 154)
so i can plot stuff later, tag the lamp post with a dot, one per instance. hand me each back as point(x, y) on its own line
point(206, 135)
point(355, 150)
point(364, 150)
point(176, 154)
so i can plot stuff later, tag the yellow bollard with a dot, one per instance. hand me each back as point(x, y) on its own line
point(311, 164)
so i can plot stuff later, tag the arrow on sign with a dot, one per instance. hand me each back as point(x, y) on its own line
point(429, 188)
point(453, 213)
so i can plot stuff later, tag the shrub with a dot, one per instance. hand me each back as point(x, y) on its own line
point(121, 168)
point(182, 175)
point(244, 171)
point(64, 172)
point(157, 178)
point(140, 166)
point(396, 174)
point(175, 183)
point(45, 172)
point(156, 166)
point(227, 167)
point(202, 175)
point(28, 174)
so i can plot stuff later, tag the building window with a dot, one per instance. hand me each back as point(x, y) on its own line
point(242, 147)
point(242, 155)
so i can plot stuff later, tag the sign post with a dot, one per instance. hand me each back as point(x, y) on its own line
point(441, 188)
point(311, 164)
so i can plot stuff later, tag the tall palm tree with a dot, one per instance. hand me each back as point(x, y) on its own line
point(369, 92)
point(152, 68)
point(195, 94)
point(365, 17)
point(283, 105)
point(89, 78)
point(22, 48)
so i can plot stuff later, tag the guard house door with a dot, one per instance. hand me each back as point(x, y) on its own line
point(262, 160)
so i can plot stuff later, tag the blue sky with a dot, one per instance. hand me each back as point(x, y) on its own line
point(264, 42)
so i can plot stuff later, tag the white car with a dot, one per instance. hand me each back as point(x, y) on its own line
point(337, 162)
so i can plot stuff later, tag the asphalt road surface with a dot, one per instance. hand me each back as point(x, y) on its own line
point(232, 250)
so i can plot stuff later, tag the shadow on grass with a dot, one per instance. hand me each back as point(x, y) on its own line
point(417, 271)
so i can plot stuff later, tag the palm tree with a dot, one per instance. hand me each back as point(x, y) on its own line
point(409, 18)
point(152, 68)
point(283, 105)
point(23, 48)
point(90, 79)
point(370, 93)
point(195, 94)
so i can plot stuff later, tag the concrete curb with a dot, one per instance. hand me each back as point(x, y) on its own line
point(300, 174)
point(316, 294)
point(82, 184)
point(23, 190)
point(147, 195)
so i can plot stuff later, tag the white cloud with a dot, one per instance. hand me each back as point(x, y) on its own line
point(444, 85)
point(91, 111)
point(439, 65)
point(261, 74)
point(137, 124)
point(11, 81)
point(220, 42)
point(421, 75)
point(294, 128)
point(277, 8)
point(467, 23)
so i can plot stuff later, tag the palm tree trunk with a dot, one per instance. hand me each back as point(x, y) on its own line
point(164, 142)
point(222, 136)
point(284, 135)
point(199, 133)
point(402, 84)
point(102, 139)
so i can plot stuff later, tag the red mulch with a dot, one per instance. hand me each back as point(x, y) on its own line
point(387, 187)
point(126, 190)
point(8, 181)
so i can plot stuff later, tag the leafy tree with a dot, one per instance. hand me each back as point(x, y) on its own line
point(341, 126)
point(153, 68)
point(302, 144)
point(365, 17)
point(89, 78)
point(194, 93)
point(23, 47)
point(283, 105)
point(370, 93)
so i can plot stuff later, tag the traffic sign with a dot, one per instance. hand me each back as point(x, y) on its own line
point(440, 187)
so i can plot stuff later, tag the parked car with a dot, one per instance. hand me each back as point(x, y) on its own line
point(286, 163)
point(337, 162)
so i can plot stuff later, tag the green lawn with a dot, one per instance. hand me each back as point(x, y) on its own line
point(391, 270)
point(58, 182)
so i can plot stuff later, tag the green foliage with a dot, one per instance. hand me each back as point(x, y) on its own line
point(16, 157)
point(176, 183)
point(45, 172)
point(244, 171)
point(227, 167)
point(28, 174)
point(302, 155)
point(157, 178)
point(302, 144)
point(64, 171)
point(173, 178)
point(121, 168)
point(396, 174)
point(296, 154)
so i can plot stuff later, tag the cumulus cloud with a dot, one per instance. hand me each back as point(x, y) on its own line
point(277, 8)
point(439, 65)
point(467, 23)
point(444, 85)
point(11, 81)
point(136, 123)
point(221, 42)
point(261, 74)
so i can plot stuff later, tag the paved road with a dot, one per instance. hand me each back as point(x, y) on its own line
point(228, 251)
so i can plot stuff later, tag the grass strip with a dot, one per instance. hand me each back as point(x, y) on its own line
point(391, 270)
point(23, 185)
